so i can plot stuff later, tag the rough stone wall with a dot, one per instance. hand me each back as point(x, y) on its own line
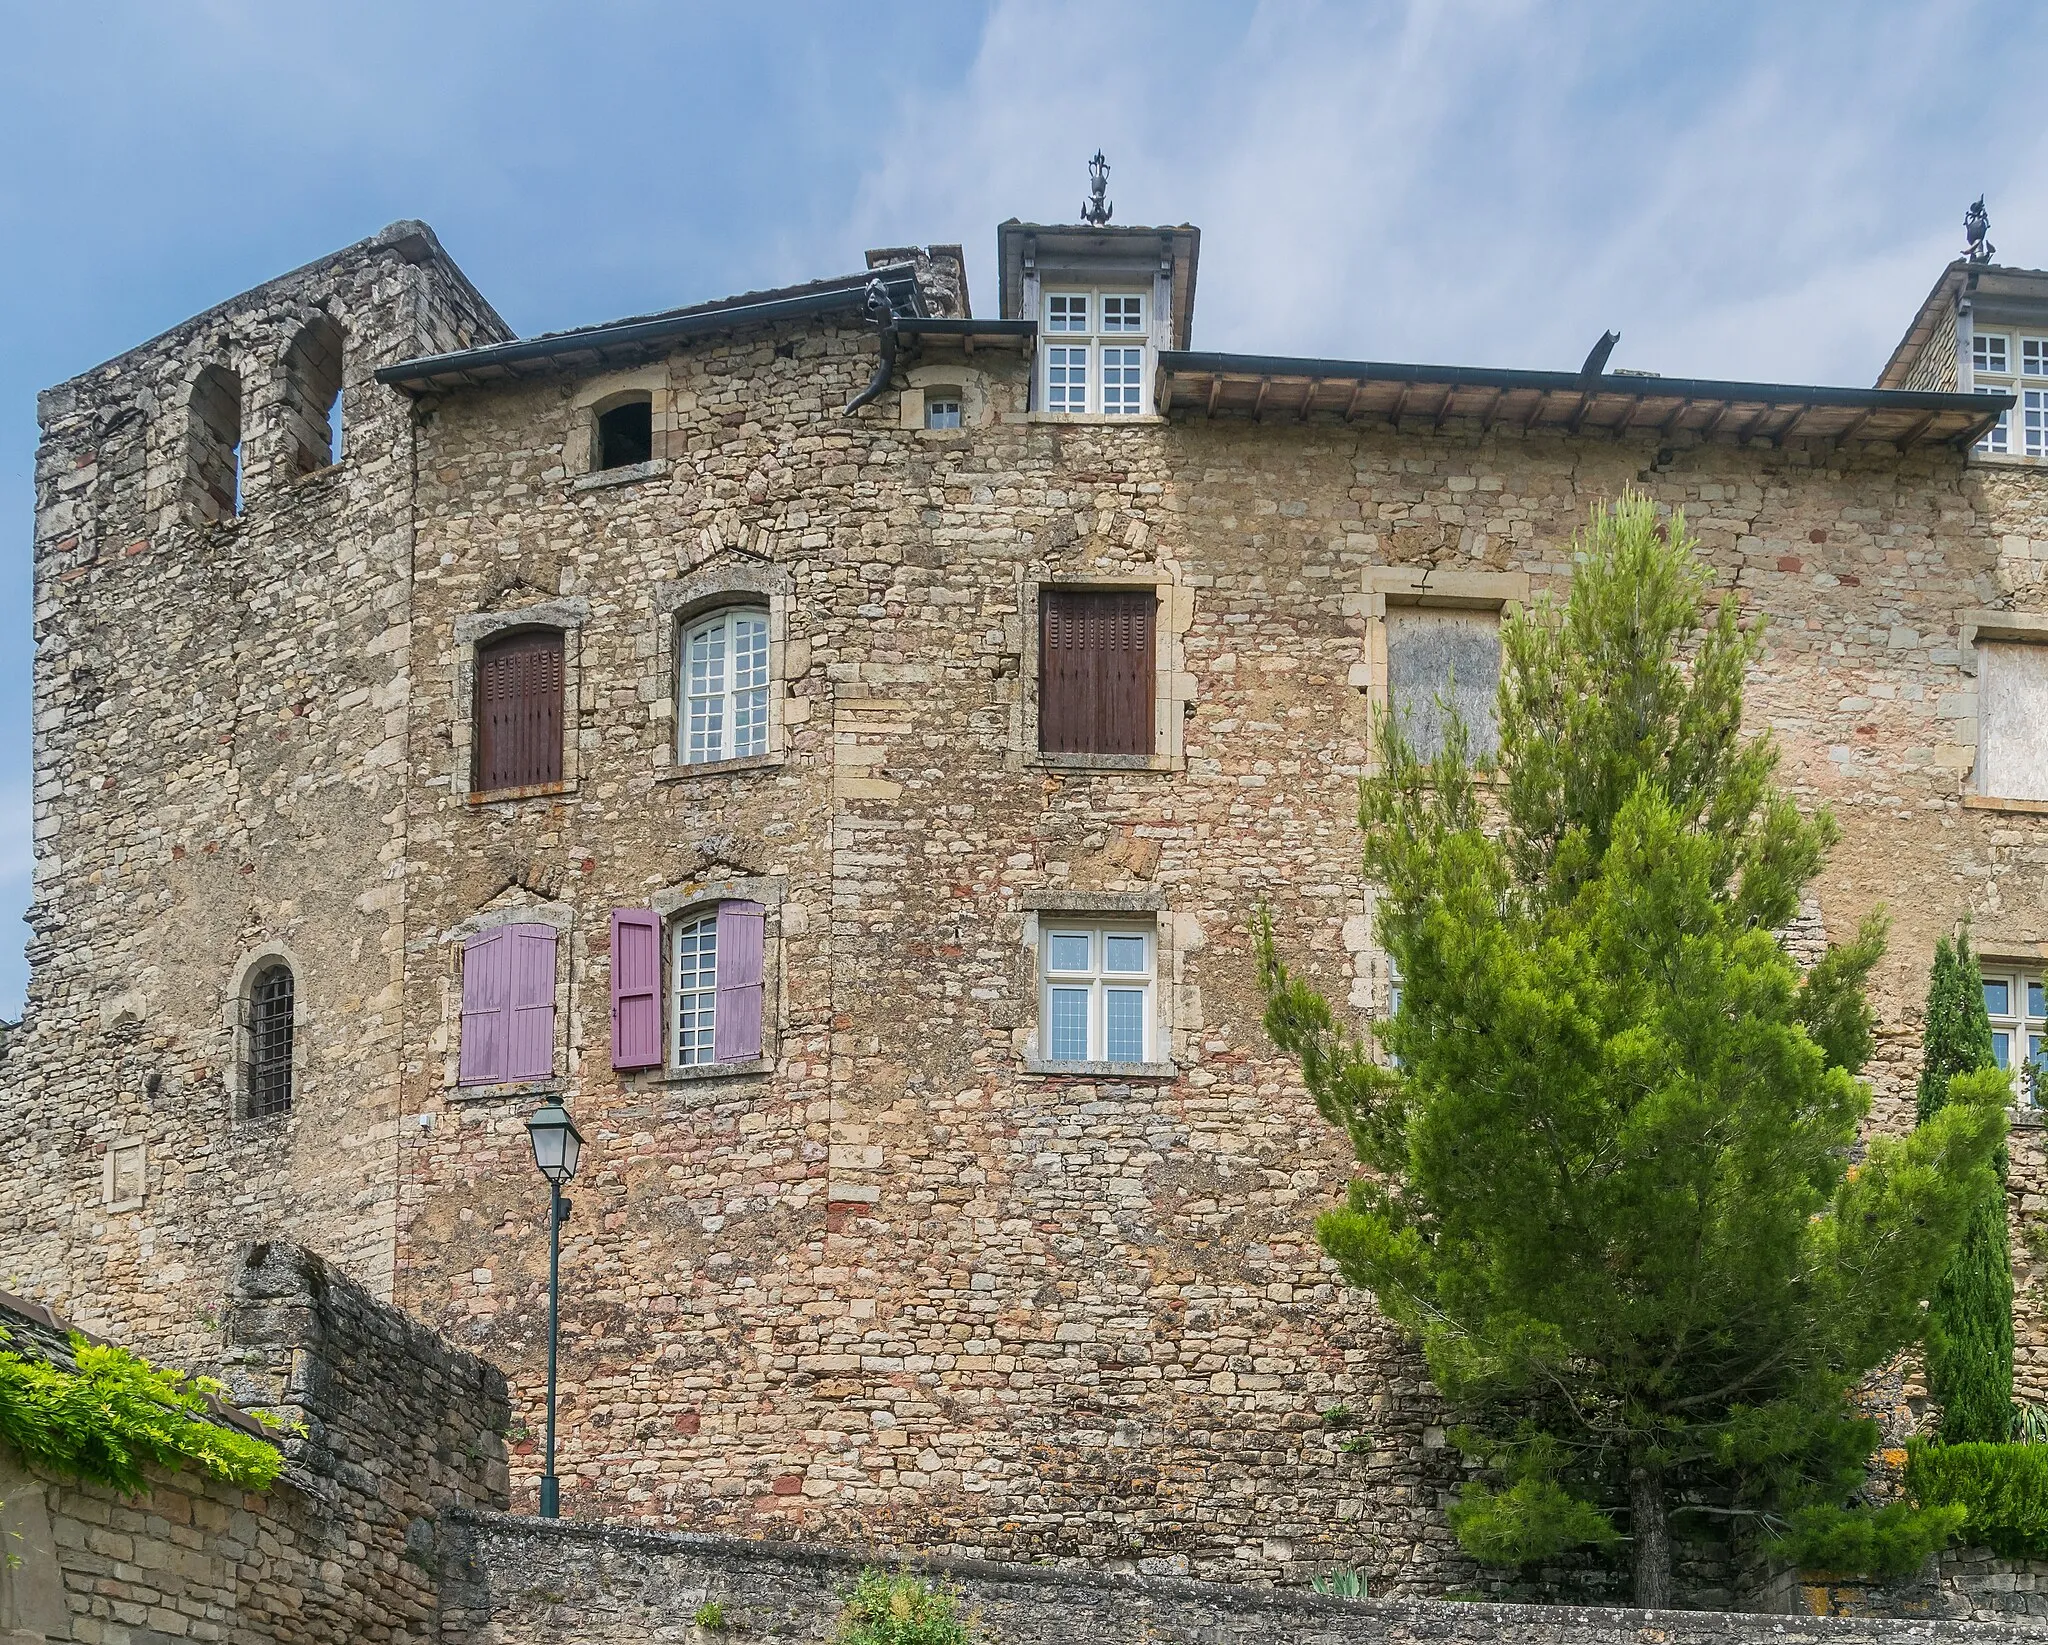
point(220, 712)
point(397, 1429)
point(527, 1582)
point(902, 1289)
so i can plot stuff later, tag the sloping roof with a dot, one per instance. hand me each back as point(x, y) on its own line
point(1261, 386)
point(624, 342)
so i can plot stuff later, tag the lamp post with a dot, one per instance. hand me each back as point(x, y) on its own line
point(557, 1144)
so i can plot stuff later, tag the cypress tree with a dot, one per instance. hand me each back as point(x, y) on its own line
point(1969, 1318)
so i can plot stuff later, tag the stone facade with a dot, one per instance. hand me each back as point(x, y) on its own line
point(895, 1282)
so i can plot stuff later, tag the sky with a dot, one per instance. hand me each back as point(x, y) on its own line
point(1744, 191)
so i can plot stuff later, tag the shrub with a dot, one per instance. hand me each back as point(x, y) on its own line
point(1893, 1541)
point(710, 1616)
point(902, 1609)
point(116, 1412)
point(2003, 1487)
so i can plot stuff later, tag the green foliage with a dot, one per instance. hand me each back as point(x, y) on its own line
point(2029, 1423)
point(1342, 1583)
point(1890, 1541)
point(2002, 1488)
point(902, 1609)
point(117, 1412)
point(1969, 1319)
point(1339, 1417)
point(1533, 1519)
point(1605, 1176)
point(710, 1616)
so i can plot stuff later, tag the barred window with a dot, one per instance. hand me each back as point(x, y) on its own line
point(269, 1077)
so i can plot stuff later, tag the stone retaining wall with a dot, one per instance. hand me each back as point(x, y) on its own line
point(512, 1581)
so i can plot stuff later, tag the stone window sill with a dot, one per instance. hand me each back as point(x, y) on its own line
point(1044, 761)
point(513, 1088)
point(2027, 1119)
point(631, 474)
point(1104, 1070)
point(1991, 802)
point(717, 1071)
point(1089, 419)
point(719, 768)
point(534, 791)
point(2004, 459)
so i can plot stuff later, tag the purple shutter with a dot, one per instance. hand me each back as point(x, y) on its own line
point(530, 1053)
point(636, 988)
point(742, 939)
point(486, 988)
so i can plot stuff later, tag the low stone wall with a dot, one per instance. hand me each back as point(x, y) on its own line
point(1963, 1582)
point(340, 1551)
point(511, 1581)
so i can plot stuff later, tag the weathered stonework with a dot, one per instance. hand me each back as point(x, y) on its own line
point(896, 1284)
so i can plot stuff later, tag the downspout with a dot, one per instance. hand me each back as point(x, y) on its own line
point(880, 313)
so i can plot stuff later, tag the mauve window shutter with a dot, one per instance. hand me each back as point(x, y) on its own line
point(742, 944)
point(530, 1053)
point(486, 990)
point(636, 988)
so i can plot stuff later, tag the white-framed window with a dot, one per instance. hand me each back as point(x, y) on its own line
point(1095, 356)
point(1097, 996)
point(2004, 363)
point(942, 409)
point(2017, 1004)
point(724, 667)
point(694, 968)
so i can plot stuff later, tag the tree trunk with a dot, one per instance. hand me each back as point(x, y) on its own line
point(1650, 1521)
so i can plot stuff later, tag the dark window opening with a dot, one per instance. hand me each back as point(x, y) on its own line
point(270, 1042)
point(1095, 671)
point(519, 710)
point(214, 450)
point(625, 435)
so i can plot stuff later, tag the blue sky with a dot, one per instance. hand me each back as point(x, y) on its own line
point(1742, 191)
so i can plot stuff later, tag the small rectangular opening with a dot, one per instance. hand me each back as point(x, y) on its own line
point(625, 435)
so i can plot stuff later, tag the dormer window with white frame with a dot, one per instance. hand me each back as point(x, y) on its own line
point(2006, 363)
point(1096, 347)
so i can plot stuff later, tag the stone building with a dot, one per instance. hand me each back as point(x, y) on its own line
point(856, 819)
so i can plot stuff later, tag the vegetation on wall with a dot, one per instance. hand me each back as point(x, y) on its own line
point(1606, 1172)
point(116, 1413)
point(1969, 1319)
point(902, 1609)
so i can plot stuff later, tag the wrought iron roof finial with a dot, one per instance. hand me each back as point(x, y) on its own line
point(1095, 211)
point(1977, 225)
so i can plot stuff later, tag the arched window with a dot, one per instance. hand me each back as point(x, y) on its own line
point(267, 1074)
point(214, 445)
point(312, 367)
point(519, 710)
point(725, 685)
point(625, 432)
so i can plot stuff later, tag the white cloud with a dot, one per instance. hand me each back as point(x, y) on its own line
point(1762, 193)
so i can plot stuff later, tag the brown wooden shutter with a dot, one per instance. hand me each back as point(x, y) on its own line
point(519, 710)
point(1095, 671)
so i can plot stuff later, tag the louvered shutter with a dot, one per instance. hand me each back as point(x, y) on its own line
point(519, 710)
point(636, 988)
point(486, 990)
point(742, 945)
point(531, 1003)
point(1095, 671)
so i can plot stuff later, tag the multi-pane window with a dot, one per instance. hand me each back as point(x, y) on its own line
point(269, 1076)
point(942, 410)
point(1098, 980)
point(696, 992)
point(725, 686)
point(1993, 358)
point(2017, 1004)
point(1095, 352)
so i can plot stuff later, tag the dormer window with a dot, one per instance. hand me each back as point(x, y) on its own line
point(1993, 356)
point(1095, 352)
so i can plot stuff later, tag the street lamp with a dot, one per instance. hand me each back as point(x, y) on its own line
point(557, 1145)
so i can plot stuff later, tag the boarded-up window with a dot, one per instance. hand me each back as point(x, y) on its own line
point(1438, 663)
point(1095, 670)
point(508, 1005)
point(2012, 721)
point(519, 710)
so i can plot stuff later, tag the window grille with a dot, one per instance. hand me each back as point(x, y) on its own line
point(269, 1081)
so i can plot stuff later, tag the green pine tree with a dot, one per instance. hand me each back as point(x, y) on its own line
point(1606, 1174)
point(1969, 1320)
